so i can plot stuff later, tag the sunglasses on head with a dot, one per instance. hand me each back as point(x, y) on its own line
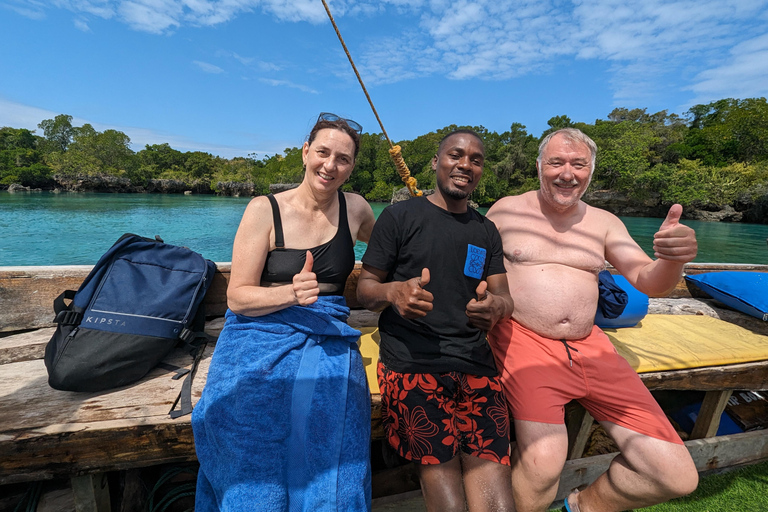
point(327, 116)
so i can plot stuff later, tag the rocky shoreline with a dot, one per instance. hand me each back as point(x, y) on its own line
point(749, 211)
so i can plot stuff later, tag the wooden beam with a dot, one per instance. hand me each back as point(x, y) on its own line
point(714, 378)
point(91, 493)
point(27, 293)
point(708, 419)
point(708, 454)
point(578, 422)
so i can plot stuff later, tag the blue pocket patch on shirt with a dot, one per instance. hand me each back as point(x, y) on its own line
point(475, 263)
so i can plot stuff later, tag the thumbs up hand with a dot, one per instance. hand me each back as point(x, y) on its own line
point(481, 311)
point(305, 288)
point(410, 299)
point(674, 241)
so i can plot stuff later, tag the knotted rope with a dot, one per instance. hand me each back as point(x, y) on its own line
point(394, 150)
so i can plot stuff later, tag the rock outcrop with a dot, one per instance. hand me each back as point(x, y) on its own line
point(234, 189)
point(96, 183)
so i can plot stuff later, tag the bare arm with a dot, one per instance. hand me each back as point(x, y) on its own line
point(361, 218)
point(408, 298)
point(245, 295)
point(674, 245)
point(492, 303)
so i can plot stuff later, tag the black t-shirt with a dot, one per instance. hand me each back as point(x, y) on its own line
point(460, 250)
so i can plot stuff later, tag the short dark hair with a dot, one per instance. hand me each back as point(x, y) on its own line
point(339, 124)
point(461, 131)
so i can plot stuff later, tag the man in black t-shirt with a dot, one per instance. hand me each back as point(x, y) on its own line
point(435, 269)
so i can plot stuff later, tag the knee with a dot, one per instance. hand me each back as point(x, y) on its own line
point(539, 465)
point(680, 480)
point(683, 482)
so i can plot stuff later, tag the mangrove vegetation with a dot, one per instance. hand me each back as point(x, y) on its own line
point(714, 154)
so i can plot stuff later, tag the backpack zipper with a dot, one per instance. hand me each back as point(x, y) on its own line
point(65, 344)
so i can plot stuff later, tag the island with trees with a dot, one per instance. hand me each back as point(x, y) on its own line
point(713, 160)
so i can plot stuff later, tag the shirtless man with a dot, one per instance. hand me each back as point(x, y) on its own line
point(551, 352)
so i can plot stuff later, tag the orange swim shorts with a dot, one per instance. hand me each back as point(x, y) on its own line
point(540, 375)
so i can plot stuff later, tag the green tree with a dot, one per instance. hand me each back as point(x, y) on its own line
point(515, 162)
point(58, 132)
point(20, 160)
point(92, 152)
point(728, 131)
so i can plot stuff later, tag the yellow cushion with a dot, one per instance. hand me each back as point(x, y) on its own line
point(676, 342)
point(657, 343)
point(369, 348)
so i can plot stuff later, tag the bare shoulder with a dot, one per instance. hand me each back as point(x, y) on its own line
point(602, 217)
point(258, 206)
point(355, 200)
point(357, 205)
point(257, 215)
point(508, 205)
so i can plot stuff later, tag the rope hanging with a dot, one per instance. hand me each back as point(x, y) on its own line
point(394, 149)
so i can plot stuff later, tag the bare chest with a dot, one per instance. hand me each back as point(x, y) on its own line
point(536, 243)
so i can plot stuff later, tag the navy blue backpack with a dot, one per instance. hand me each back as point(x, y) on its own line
point(141, 298)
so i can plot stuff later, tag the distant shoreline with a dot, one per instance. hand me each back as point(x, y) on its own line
point(752, 212)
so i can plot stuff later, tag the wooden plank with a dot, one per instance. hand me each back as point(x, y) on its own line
point(708, 419)
point(715, 378)
point(578, 422)
point(711, 453)
point(25, 346)
point(30, 345)
point(46, 432)
point(91, 493)
point(27, 293)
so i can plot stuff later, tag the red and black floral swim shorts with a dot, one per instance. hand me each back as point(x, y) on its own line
point(429, 417)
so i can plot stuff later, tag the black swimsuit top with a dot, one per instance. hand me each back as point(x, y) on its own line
point(334, 260)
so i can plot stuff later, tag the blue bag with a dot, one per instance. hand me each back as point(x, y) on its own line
point(140, 299)
point(629, 304)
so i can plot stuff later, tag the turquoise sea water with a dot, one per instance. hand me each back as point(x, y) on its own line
point(75, 229)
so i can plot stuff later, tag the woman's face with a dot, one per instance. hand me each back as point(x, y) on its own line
point(330, 158)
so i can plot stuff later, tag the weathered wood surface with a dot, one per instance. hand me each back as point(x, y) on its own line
point(27, 293)
point(45, 432)
point(752, 376)
point(710, 412)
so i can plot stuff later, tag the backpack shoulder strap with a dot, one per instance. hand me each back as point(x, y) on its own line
point(66, 314)
point(184, 400)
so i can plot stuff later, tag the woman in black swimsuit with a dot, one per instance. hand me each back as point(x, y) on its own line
point(284, 420)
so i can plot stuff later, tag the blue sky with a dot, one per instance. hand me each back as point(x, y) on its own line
point(234, 77)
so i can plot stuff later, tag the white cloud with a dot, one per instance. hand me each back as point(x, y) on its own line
point(33, 12)
point(208, 68)
point(154, 17)
point(287, 83)
point(743, 75)
point(495, 40)
point(82, 25)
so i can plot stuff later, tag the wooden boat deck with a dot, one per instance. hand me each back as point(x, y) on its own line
point(45, 433)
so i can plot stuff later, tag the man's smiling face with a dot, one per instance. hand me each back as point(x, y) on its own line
point(565, 170)
point(458, 165)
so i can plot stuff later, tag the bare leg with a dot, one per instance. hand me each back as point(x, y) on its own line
point(537, 462)
point(648, 471)
point(442, 486)
point(487, 485)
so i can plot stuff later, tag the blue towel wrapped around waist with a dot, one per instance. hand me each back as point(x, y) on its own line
point(284, 420)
